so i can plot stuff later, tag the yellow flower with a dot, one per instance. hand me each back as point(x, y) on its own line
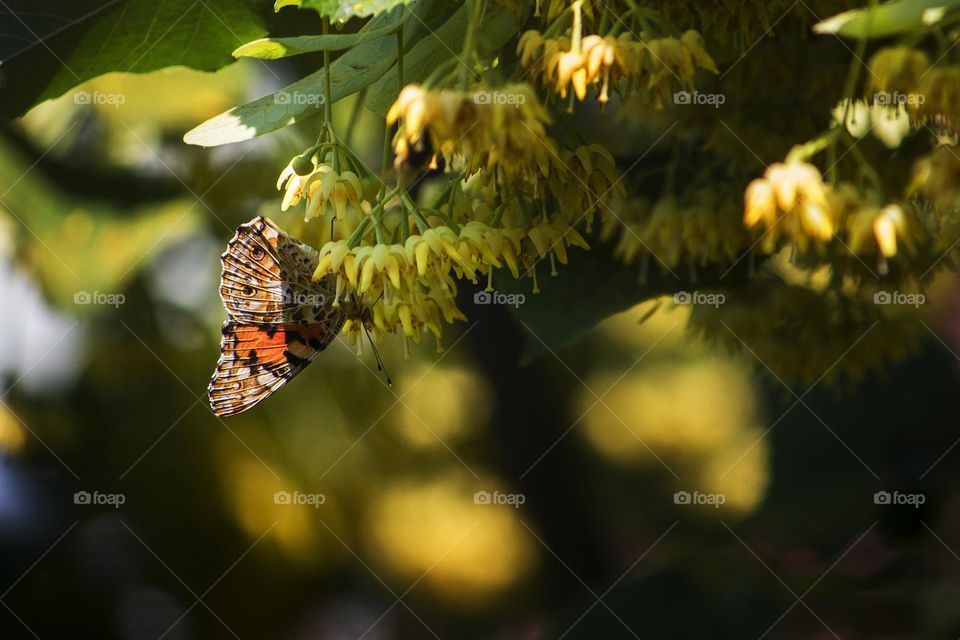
point(552, 237)
point(790, 200)
point(653, 66)
point(501, 129)
point(324, 187)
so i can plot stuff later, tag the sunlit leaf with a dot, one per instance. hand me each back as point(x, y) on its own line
point(342, 10)
point(890, 19)
point(276, 48)
point(125, 35)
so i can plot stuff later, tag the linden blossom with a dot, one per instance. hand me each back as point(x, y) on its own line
point(648, 65)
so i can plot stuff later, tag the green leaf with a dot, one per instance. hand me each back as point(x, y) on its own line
point(124, 35)
point(276, 48)
point(358, 68)
point(890, 19)
point(343, 10)
point(498, 26)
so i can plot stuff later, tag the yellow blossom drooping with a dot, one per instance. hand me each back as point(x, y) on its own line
point(698, 229)
point(790, 200)
point(490, 129)
point(583, 181)
point(887, 230)
point(552, 238)
point(323, 188)
point(886, 227)
point(656, 66)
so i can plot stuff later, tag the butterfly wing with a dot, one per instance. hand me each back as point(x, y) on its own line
point(267, 278)
point(255, 361)
point(278, 318)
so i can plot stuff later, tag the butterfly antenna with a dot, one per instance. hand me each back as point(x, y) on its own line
point(376, 355)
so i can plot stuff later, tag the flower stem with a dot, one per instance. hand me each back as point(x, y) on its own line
point(577, 32)
point(327, 99)
point(357, 234)
point(470, 44)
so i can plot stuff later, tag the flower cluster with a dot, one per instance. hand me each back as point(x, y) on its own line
point(867, 335)
point(609, 63)
point(323, 187)
point(478, 130)
point(888, 123)
point(791, 201)
point(702, 228)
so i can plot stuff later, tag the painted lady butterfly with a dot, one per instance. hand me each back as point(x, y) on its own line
point(278, 318)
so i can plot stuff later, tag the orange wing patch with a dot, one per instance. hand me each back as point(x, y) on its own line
point(255, 361)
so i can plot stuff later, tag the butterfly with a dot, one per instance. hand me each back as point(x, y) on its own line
point(278, 318)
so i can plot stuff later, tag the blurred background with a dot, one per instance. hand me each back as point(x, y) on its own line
point(637, 485)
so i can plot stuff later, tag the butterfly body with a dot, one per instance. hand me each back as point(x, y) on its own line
point(278, 318)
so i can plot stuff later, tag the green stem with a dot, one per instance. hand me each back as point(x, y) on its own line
point(558, 23)
point(470, 44)
point(804, 152)
point(422, 224)
point(853, 74)
point(327, 100)
point(868, 170)
point(357, 234)
point(577, 35)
